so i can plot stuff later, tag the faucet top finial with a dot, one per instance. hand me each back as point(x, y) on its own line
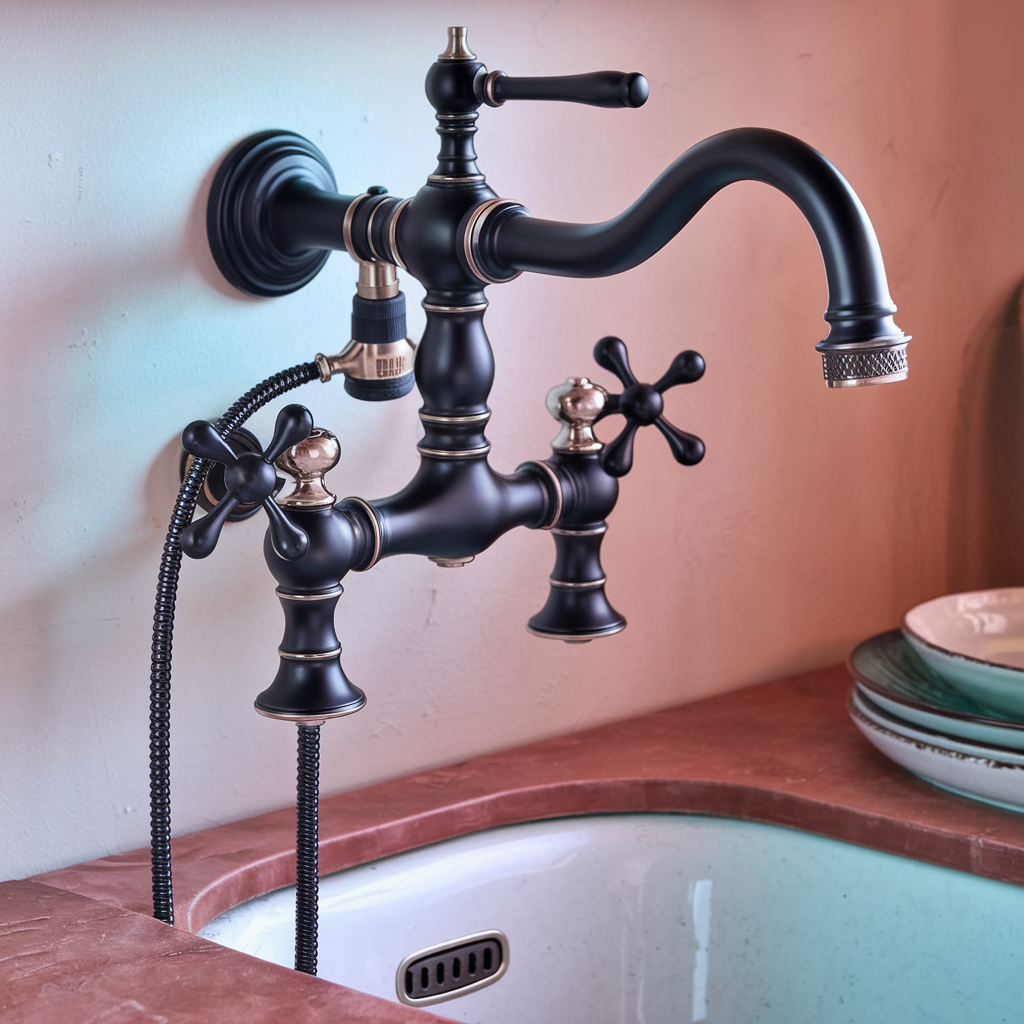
point(458, 44)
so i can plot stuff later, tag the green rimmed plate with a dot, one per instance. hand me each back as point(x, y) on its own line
point(890, 672)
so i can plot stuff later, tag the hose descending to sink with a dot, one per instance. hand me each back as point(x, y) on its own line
point(163, 631)
point(307, 866)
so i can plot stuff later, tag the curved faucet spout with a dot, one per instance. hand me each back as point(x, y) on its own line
point(862, 332)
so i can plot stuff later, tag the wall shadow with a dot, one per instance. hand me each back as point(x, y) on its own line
point(986, 506)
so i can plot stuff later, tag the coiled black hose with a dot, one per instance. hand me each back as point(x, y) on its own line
point(163, 630)
point(307, 866)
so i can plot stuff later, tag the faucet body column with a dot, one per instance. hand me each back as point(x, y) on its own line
point(456, 505)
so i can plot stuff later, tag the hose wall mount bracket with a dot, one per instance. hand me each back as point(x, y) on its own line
point(238, 213)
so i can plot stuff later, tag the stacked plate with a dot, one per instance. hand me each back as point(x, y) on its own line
point(944, 696)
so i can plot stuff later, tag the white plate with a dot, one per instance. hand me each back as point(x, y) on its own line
point(861, 699)
point(976, 642)
point(996, 779)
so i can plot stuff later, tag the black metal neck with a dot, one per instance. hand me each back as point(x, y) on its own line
point(451, 90)
point(454, 362)
point(456, 161)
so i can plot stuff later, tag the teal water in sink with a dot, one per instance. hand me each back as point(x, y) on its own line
point(652, 918)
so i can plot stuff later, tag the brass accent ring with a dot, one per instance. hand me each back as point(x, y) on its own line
point(369, 234)
point(578, 638)
point(374, 522)
point(475, 417)
point(323, 365)
point(578, 586)
point(582, 533)
point(430, 307)
point(455, 179)
point(557, 484)
point(334, 592)
point(471, 239)
point(461, 453)
point(489, 81)
point(346, 224)
point(317, 656)
point(299, 719)
point(393, 233)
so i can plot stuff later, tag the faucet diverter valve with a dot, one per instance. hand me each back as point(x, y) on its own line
point(377, 363)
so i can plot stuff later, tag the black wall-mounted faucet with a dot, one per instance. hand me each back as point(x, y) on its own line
point(273, 218)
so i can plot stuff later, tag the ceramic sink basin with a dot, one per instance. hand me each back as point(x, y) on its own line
point(650, 918)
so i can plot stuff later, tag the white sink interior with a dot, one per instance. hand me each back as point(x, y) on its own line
point(652, 918)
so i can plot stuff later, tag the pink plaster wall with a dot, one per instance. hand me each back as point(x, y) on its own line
point(817, 516)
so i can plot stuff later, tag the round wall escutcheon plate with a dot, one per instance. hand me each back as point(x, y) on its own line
point(238, 212)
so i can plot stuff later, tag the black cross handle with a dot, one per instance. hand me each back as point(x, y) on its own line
point(642, 405)
point(249, 478)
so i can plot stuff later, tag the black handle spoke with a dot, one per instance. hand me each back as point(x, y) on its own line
point(201, 440)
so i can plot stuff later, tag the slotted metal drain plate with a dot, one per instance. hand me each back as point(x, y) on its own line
point(452, 969)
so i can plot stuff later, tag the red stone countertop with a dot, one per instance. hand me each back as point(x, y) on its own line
point(78, 944)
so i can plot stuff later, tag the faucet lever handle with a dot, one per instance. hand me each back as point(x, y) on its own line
point(249, 478)
point(596, 89)
point(642, 405)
